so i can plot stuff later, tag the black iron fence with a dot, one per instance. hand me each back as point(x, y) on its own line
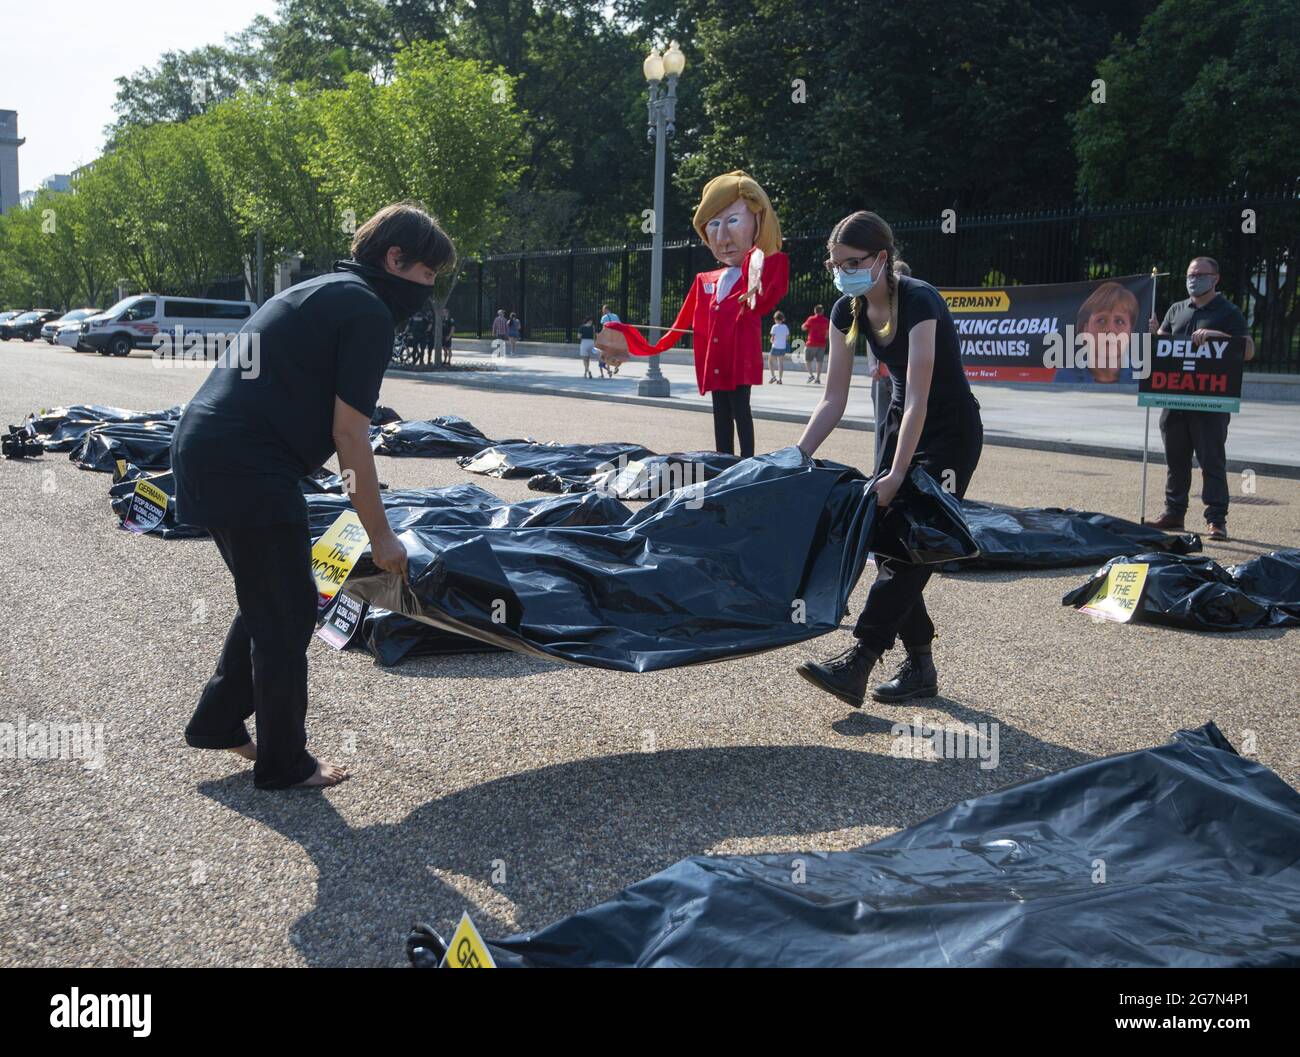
point(1256, 241)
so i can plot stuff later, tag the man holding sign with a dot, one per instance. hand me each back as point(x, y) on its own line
point(319, 351)
point(1205, 315)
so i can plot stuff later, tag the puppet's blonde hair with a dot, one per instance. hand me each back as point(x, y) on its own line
point(721, 191)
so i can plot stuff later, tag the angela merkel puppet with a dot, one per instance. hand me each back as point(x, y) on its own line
point(725, 307)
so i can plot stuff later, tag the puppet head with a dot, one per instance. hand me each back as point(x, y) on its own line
point(743, 218)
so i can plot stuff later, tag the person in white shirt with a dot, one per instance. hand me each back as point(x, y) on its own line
point(780, 346)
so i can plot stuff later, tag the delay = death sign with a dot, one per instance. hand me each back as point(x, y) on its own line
point(335, 553)
point(1191, 377)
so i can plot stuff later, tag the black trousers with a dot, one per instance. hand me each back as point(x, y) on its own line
point(731, 409)
point(1204, 434)
point(949, 451)
point(262, 670)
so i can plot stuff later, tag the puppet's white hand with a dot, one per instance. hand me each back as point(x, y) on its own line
point(750, 296)
point(612, 346)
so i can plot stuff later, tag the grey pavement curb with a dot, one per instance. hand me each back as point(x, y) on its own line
point(1006, 440)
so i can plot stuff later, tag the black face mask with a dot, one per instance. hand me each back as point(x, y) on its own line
point(402, 296)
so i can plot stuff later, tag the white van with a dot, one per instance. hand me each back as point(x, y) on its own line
point(133, 322)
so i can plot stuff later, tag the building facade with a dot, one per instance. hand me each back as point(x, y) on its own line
point(9, 144)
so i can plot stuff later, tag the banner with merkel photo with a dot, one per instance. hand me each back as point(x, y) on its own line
point(1079, 333)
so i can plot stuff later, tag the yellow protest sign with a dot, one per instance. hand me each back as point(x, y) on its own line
point(1117, 598)
point(467, 949)
point(335, 553)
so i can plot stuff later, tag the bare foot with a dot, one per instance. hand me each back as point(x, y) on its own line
point(248, 751)
point(326, 774)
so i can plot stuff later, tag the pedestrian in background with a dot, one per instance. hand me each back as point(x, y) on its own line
point(514, 328)
point(586, 343)
point(816, 328)
point(448, 329)
point(500, 333)
point(780, 338)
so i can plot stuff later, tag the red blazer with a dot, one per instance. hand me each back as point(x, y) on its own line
point(728, 335)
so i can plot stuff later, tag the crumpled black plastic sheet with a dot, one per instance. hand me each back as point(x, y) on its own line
point(529, 458)
point(123, 487)
point(1052, 538)
point(391, 637)
point(762, 556)
point(322, 482)
point(61, 428)
point(469, 506)
point(1199, 594)
point(437, 437)
point(923, 525)
point(1199, 846)
point(146, 445)
point(382, 416)
point(641, 479)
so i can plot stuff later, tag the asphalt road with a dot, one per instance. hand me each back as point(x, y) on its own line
point(517, 789)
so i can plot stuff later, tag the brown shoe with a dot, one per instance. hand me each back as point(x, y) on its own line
point(1168, 522)
point(1216, 530)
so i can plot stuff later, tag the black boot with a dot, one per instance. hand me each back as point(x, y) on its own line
point(916, 677)
point(845, 675)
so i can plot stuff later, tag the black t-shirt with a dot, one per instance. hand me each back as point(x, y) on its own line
point(250, 433)
point(587, 332)
point(448, 325)
point(917, 302)
point(1218, 313)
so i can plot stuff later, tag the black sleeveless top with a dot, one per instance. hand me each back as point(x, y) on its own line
point(917, 302)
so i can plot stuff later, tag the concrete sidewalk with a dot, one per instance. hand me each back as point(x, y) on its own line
point(1264, 436)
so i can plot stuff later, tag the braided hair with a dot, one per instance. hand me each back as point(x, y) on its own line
point(868, 231)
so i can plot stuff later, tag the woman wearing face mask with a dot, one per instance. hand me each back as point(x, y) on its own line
point(319, 351)
point(725, 307)
point(933, 421)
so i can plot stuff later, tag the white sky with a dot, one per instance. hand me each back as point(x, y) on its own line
point(59, 59)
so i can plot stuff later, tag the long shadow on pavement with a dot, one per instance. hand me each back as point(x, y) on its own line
point(573, 834)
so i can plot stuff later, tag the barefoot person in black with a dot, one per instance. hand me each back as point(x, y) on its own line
point(933, 420)
point(306, 390)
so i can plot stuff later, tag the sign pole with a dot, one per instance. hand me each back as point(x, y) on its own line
point(1146, 432)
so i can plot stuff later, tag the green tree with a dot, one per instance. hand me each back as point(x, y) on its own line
point(1203, 100)
point(167, 221)
point(185, 84)
point(445, 133)
point(907, 109)
point(262, 146)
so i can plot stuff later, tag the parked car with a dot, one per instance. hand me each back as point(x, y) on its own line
point(28, 325)
point(133, 321)
point(50, 331)
point(6, 316)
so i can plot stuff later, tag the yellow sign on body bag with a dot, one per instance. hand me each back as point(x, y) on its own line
point(334, 555)
point(147, 508)
point(467, 949)
point(1117, 598)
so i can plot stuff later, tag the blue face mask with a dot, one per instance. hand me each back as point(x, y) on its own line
point(857, 284)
